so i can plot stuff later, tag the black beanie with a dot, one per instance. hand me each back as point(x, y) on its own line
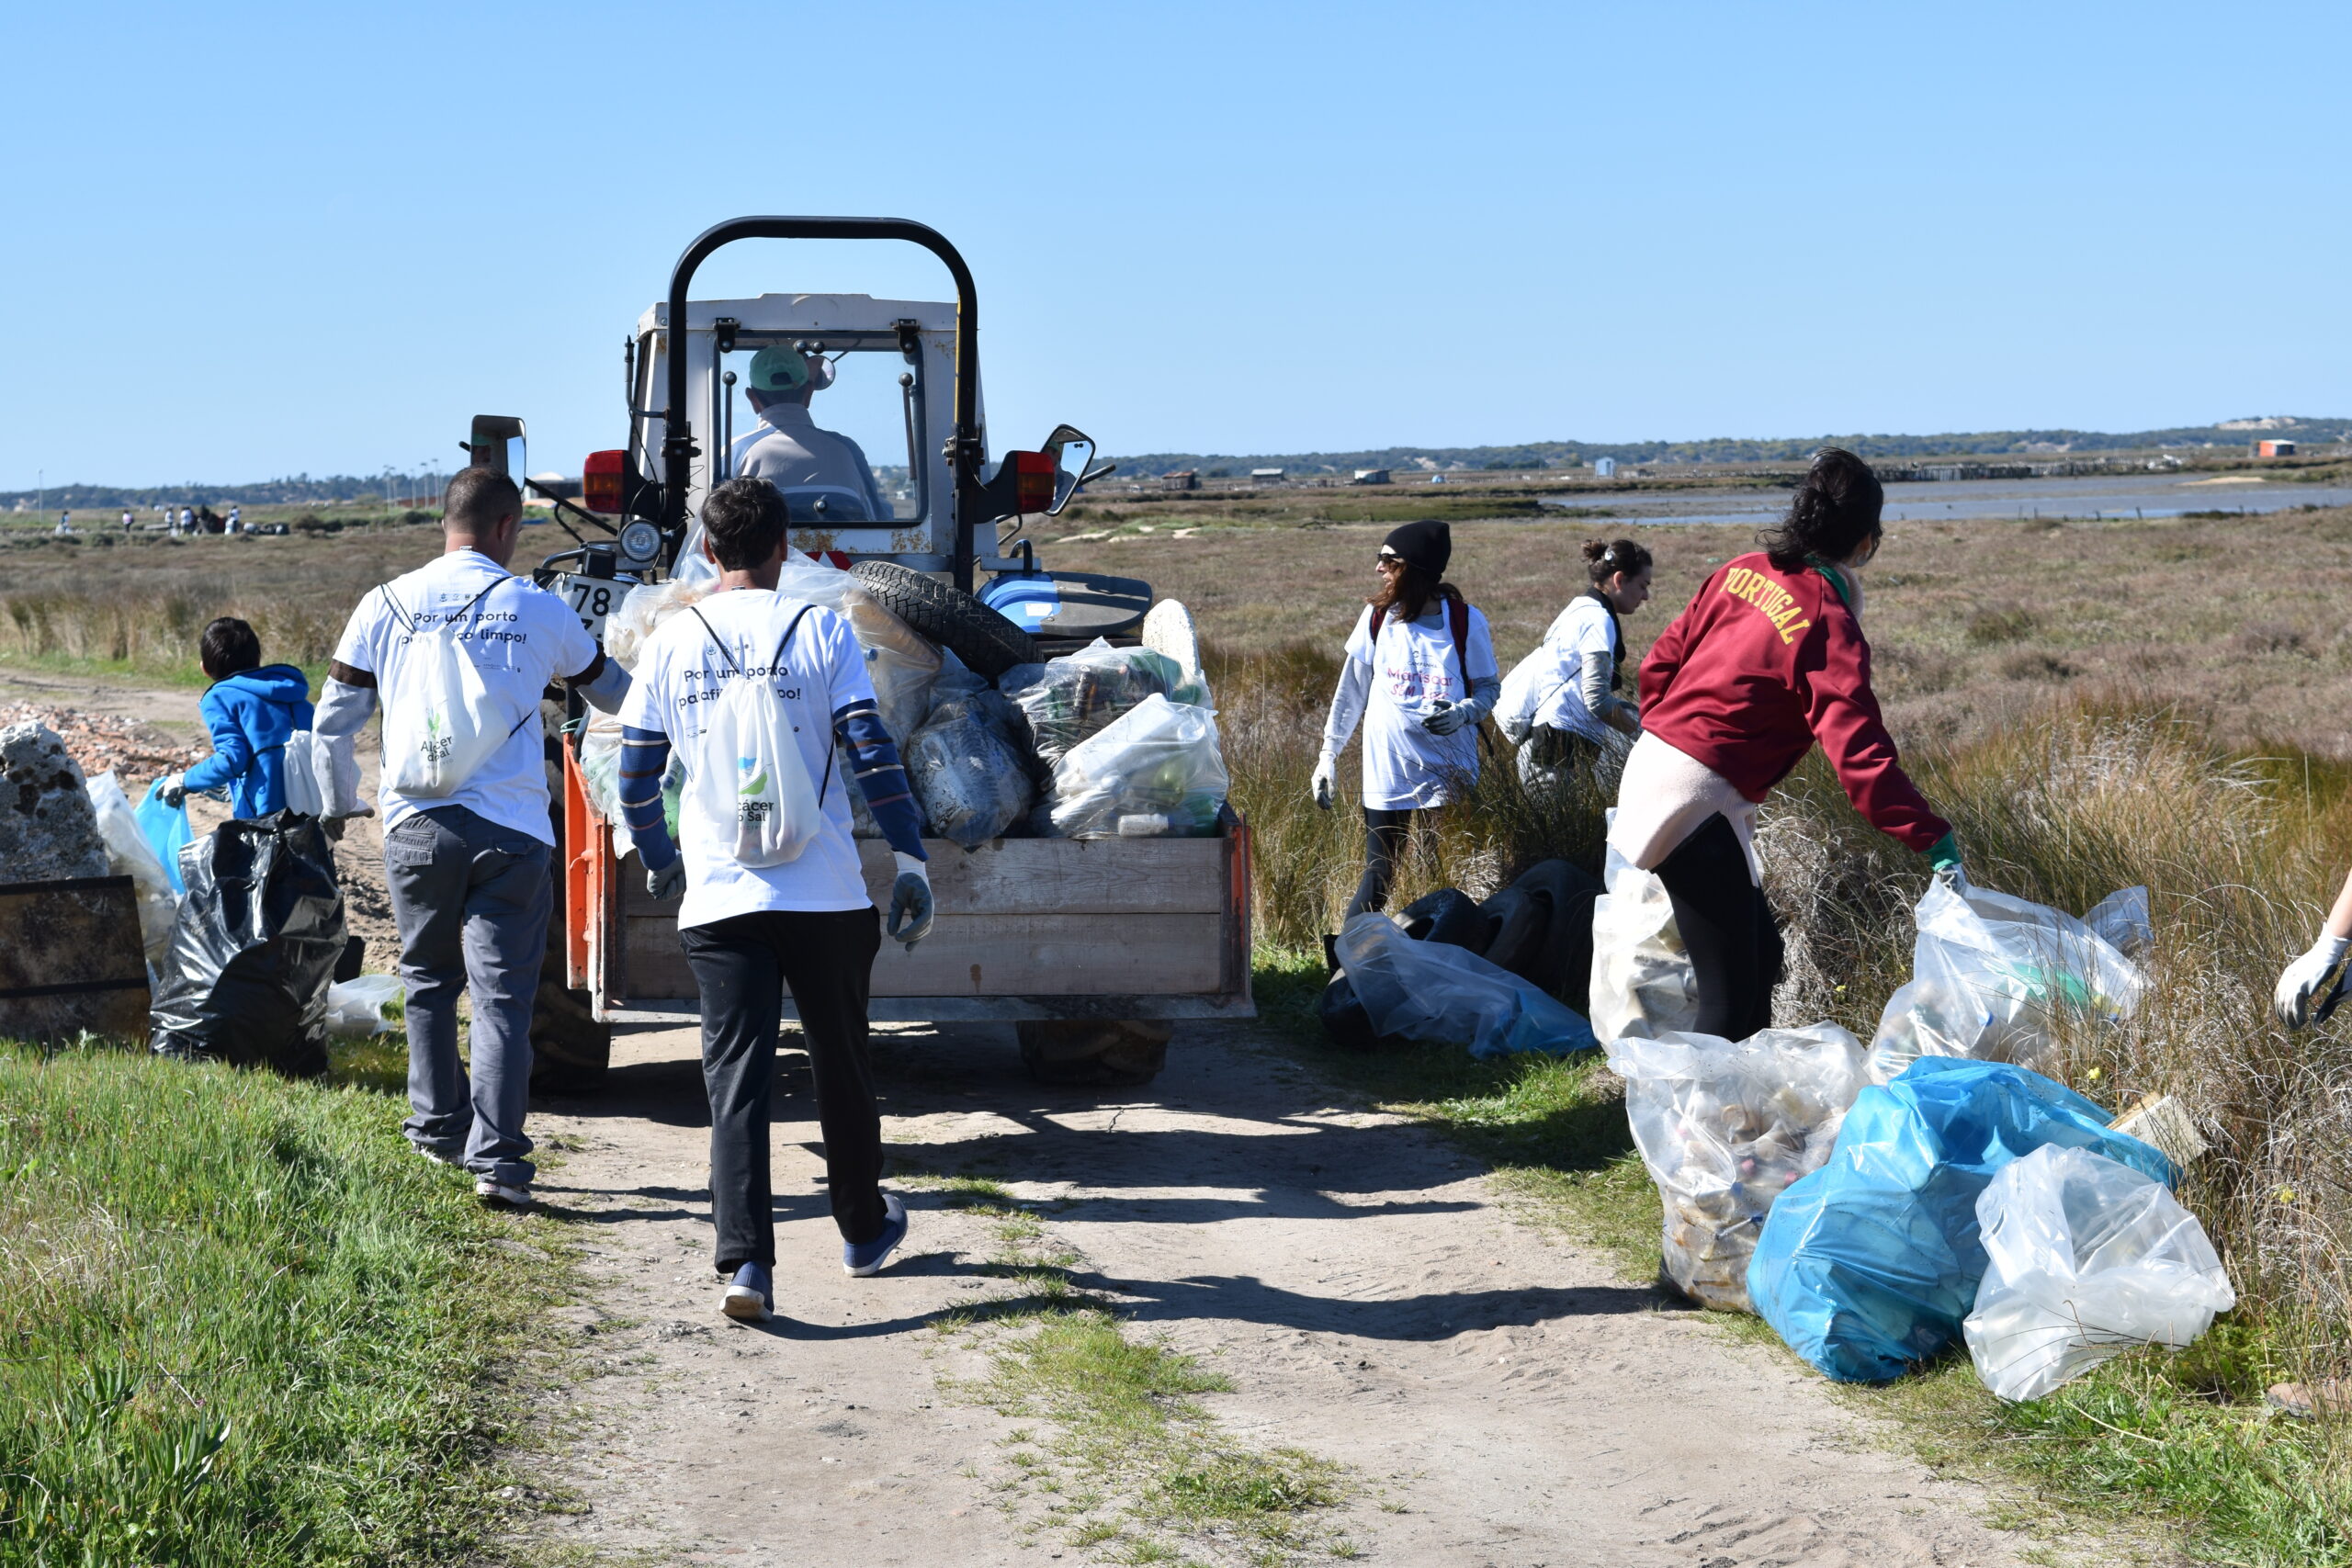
point(1428, 545)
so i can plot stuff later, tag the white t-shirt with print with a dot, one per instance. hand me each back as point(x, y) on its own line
point(1413, 669)
point(679, 669)
point(1584, 627)
point(520, 638)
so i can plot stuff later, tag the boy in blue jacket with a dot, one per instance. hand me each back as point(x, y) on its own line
point(251, 709)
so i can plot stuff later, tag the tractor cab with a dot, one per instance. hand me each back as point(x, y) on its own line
point(867, 414)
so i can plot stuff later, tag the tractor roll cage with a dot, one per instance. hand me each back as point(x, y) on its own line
point(964, 453)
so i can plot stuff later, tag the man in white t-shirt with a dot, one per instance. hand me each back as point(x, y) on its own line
point(809, 923)
point(468, 870)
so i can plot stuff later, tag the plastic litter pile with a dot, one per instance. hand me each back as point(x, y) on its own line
point(2085, 1258)
point(1530, 943)
point(1993, 977)
point(1725, 1127)
point(1876, 1208)
point(1106, 742)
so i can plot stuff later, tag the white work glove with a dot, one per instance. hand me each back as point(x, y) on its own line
point(1326, 781)
point(172, 790)
point(666, 880)
point(910, 902)
point(2302, 980)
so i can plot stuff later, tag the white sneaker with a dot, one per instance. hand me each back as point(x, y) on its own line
point(498, 1195)
point(435, 1156)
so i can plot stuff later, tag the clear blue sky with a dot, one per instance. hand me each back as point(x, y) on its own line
point(247, 241)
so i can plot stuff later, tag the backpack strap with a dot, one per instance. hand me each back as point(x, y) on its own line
point(782, 643)
point(1379, 615)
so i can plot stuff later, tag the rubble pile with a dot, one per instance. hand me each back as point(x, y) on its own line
point(107, 743)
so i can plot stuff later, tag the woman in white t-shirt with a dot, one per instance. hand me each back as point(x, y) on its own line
point(1561, 702)
point(1420, 671)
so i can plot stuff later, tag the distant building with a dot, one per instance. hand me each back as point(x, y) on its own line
point(1369, 477)
point(1266, 476)
point(1604, 468)
point(2274, 448)
point(1437, 479)
point(1182, 478)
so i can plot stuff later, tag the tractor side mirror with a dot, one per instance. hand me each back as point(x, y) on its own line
point(1072, 451)
point(498, 444)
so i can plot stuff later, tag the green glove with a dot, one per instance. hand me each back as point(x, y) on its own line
point(1944, 853)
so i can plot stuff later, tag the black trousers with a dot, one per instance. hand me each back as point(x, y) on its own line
point(1727, 926)
point(742, 964)
point(1383, 840)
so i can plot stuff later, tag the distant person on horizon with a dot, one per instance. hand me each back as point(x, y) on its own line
point(1419, 672)
point(1767, 658)
point(791, 453)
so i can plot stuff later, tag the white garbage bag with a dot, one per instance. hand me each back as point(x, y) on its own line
point(747, 781)
point(447, 722)
point(1444, 995)
point(1156, 771)
point(300, 771)
point(355, 1007)
point(1992, 976)
point(1724, 1126)
point(129, 854)
point(1641, 978)
point(900, 662)
point(2088, 1258)
point(966, 772)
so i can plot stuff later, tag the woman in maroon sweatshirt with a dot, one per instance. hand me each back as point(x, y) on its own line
point(1767, 658)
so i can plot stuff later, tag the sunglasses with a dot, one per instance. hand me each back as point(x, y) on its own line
point(1384, 562)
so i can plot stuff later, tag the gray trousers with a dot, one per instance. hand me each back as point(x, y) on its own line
point(471, 899)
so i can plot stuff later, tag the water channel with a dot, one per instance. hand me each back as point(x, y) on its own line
point(2087, 496)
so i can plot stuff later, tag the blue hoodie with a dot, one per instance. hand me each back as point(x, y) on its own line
point(250, 716)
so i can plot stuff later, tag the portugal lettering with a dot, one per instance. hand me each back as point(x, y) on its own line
point(1774, 602)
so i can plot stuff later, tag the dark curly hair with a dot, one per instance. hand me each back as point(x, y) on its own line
point(1604, 558)
point(1836, 509)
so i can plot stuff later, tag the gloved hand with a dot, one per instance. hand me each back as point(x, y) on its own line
point(910, 902)
point(172, 791)
point(663, 881)
point(1944, 853)
point(2303, 980)
point(1448, 719)
point(1325, 783)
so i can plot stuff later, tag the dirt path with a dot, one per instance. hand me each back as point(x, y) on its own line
point(1351, 1275)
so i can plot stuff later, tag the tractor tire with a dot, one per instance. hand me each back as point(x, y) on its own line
point(1094, 1053)
point(987, 642)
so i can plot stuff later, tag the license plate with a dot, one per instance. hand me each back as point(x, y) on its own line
point(592, 599)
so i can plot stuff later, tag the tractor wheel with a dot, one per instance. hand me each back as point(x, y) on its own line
point(987, 642)
point(1105, 1053)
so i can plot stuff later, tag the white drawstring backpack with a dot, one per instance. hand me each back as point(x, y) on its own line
point(747, 778)
point(447, 724)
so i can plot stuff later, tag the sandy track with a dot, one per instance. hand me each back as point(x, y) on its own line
point(1355, 1277)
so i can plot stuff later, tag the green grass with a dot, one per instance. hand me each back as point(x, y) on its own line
point(241, 1324)
point(1129, 1455)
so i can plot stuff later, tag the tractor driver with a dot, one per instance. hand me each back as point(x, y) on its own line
point(789, 451)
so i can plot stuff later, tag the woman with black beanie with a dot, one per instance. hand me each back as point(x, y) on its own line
point(1767, 657)
point(1420, 671)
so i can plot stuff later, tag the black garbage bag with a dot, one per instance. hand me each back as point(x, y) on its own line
point(1449, 915)
point(254, 949)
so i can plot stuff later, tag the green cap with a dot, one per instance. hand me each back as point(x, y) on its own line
point(778, 368)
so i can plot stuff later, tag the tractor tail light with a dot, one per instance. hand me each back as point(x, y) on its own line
point(601, 482)
point(1036, 491)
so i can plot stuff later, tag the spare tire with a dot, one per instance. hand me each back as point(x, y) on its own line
point(987, 642)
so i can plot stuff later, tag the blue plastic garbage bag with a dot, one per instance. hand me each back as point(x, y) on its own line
point(1438, 993)
point(166, 830)
point(1868, 1265)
